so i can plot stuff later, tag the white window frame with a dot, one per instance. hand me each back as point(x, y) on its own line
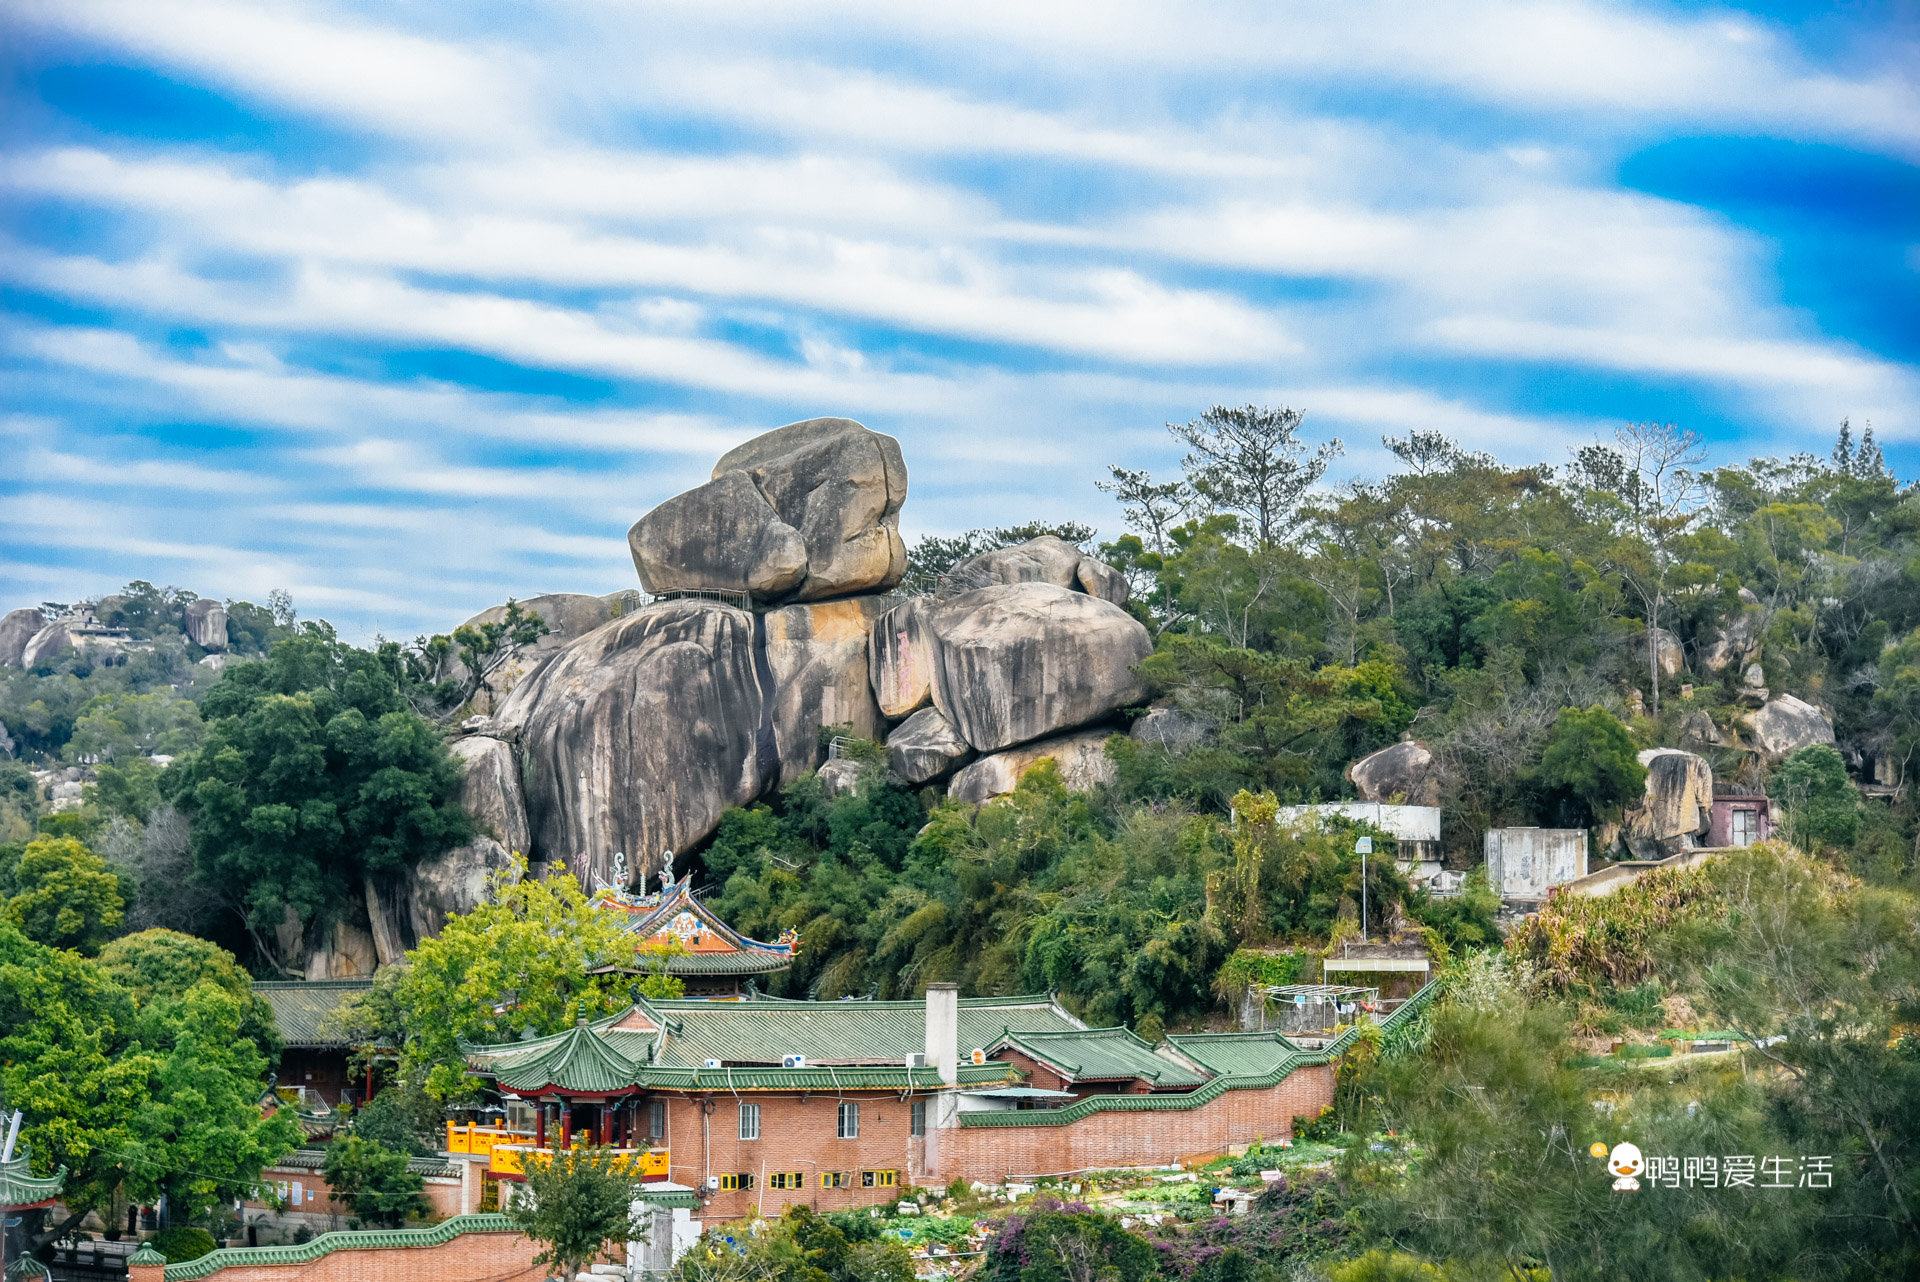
point(749, 1121)
point(847, 1120)
point(1746, 819)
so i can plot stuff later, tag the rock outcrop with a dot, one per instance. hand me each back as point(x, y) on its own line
point(817, 658)
point(207, 624)
point(635, 737)
point(809, 510)
point(45, 644)
point(16, 630)
point(1047, 559)
point(900, 658)
point(1081, 758)
point(456, 882)
point(1738, 642)
point(1026, 660)
point(1784, 725)
point(1168, 727)
point(1666, 647)
point(568, 615)
point(1406, 772)
point(1677, 807)
point(925, 747)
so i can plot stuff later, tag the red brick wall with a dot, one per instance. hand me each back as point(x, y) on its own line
point(990, 1153)
point(471, 1257)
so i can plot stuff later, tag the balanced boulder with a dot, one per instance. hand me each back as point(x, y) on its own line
point(810, 510)
point(817, 659)
point(635, 737)
point(1404, 773)
point(1677, 806)
point(1784, 725)
point(45, 644)
point(925, 746)
point(1026, 660)
point(207, 624)
point(900, 658)
point(1081, 759)
point(16, 629)
point(1047, 559)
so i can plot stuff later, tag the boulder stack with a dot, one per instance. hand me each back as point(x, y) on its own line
point(16, 630)
point(635, 725)
point(1677, 807)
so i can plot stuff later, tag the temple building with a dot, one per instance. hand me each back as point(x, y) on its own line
point(690, 942)
point(743, 1107)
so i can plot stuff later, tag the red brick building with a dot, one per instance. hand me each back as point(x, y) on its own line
point(752, 1106)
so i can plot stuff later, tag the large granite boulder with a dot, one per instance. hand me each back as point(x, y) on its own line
point(1047, 559)
point(1666, 650)
point(1738, 642)
point(207, 624)
point(925, 746)
point(722, 537)
point(1677, 806)
point(1025, 660)
point(1405, 773)
point(635, 737)
point(568, 615)
point(45, 644)
point(900, 657)
point(810, 510)
point(817, 657)
point(16, 629)
point(1081, 758)
point(456, 882)
point(1784, 725)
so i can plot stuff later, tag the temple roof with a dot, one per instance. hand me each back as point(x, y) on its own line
point(711, 947)
point(20, 1187)
point(1234, 1054)
point(301, 1008)
point(1100, 1055)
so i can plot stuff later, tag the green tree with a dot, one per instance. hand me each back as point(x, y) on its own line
point(375, 1181)
point(117, 726)
point(403, 1118)
point(314, 780)
point(1591, 760)
point(518, 962)
point(157, 968)
point(65, 896)
point(1059, 1243)
point(161, 1101)
point(1247, 460)
point(1822, 807)
point(578, 1203)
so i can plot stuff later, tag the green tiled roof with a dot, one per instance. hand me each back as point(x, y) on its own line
point(19, 1186)
point(577, 1060)
point(26, 1267)
point(728, 963)
point(300, 1007)
point(1234, 1054)
point(768, 1030)
point(1101, 1055)
point(1174, 1101)
point(146, 1257)
point(327, 1243)
point(314, 1159)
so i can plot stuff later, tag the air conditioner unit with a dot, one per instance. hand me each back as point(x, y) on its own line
point(979, 1056)
point(917, 1060)
point(713, 1181)
point(793, 1061)
point(713, 1063)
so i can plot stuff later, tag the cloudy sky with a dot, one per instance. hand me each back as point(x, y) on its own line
point(410, 307)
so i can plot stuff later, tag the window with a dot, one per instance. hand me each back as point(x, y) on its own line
point(849, 1128)
point(749, 1121)
point(876, 1179)
point(917, 1119)
point(786, 1180)
point(657, 1119)
point(833, 1179)
point(730, 1183)
point(1746, 827)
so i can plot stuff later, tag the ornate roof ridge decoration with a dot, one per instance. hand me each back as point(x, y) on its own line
point(20, 1187)
point(649, 916)
point(339, 1240)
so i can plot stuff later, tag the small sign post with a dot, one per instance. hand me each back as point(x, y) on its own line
point(1363, 847)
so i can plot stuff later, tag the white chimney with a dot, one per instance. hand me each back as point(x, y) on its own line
point(943, 1031)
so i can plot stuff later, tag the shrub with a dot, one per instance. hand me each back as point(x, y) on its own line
point(181, 1243)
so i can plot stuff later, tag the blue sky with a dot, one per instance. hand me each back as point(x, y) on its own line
point(407, 308)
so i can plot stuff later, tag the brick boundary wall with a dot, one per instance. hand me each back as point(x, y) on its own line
point(1137, 1138)
point(472, 1256)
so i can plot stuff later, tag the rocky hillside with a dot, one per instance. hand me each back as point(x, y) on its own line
point(776, 617)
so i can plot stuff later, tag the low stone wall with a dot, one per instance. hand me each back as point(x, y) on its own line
point(1150, 1135)
point(466, 1248)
